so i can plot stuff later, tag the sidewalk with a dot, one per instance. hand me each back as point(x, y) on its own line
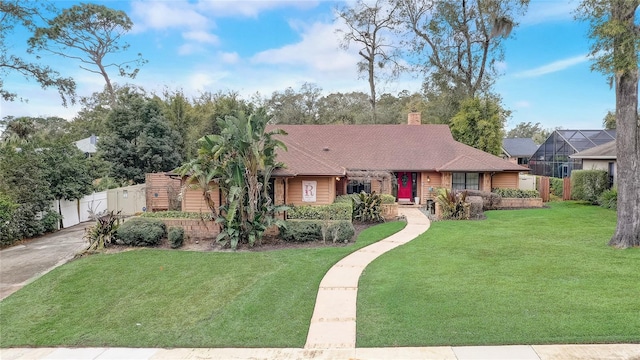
point(515, 352)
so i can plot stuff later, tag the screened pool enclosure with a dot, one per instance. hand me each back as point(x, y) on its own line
point(552, 157)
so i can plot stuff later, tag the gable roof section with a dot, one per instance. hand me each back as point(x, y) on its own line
point(88, 145)
point(380, 147)
point(604, 151)
point(519, 147)
point(298, 161)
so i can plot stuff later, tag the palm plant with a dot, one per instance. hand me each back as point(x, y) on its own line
point(240, 160)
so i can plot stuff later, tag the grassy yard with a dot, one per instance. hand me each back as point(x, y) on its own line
point(519, 277)
point(161, 298)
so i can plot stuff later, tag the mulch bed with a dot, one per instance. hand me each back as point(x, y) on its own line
point(269, 243)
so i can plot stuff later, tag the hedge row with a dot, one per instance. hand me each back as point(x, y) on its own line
point(312, 230)
point(177, 215)
point(386, 198)
point(335, 211)
point(517, 193)
point(588, 185)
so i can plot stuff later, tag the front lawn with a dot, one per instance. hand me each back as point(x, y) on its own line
point(519, 277)
point(162, 298)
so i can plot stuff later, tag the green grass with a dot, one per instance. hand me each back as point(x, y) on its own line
point(161, 298)
point(519, 277)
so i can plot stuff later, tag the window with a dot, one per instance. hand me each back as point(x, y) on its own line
point(462, 181)
point(358, 186)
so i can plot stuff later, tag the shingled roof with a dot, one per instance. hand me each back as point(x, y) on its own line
point(335, 149)
point(519, 147)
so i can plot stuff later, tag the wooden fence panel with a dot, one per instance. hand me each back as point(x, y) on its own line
point(566, 189)
point(543, 188)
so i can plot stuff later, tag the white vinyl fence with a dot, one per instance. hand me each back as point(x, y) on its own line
point(76, 211)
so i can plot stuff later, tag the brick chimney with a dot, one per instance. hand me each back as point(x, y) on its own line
point(414, 119)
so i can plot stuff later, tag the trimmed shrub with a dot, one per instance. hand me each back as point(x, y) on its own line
point(556, 186)
point(141, 232)
point(177, 215)
point(387, 198)
point(517, 193)
point(588, 185)
point(490, 200)
point(609, 199)
point(311, 230)
point(176, 237)
point(345, 198)
point(335, 211)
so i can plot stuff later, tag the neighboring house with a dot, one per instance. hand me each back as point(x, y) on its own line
point(553, 157)
point(602, 157)
point(518, 150)
point(408, 161)
point(88, 145)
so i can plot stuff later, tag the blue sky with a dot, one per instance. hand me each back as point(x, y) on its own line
point(265, 46)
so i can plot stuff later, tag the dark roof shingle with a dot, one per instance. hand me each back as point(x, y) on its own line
point(519, 147)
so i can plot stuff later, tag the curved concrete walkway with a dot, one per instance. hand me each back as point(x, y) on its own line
point(333, 324)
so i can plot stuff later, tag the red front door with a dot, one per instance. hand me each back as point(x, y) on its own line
point(404, 186)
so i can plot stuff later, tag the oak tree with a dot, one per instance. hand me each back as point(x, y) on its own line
point(615, 33)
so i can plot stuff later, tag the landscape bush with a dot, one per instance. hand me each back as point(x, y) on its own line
point(517, 193)
point(176, 237)
point(102, 233)
point(335, 211)
point(556, 187)
point(8, 232)
point(172, 214)
point(588, 185)
point(141, 232)
point(490, 200)
point(366, 207)
point(387, 198)
point(454, 206)
point(312, 230)
point(609, 199)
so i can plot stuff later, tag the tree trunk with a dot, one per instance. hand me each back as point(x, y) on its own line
point(372, 88)
point(627, 139)
point(628, 162)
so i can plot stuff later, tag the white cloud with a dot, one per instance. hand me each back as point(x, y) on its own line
point(522, 104)
point(159, 15)
point(189, 49)
point(553, 67)
point(547, 11)
point(201, 36)
point(229, 58)
point(251, 8)
point(318, 50)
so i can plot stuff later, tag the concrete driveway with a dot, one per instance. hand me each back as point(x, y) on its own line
point(24, 263)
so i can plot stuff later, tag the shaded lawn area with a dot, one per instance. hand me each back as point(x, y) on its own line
point(162, 298)
point(520, 277)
